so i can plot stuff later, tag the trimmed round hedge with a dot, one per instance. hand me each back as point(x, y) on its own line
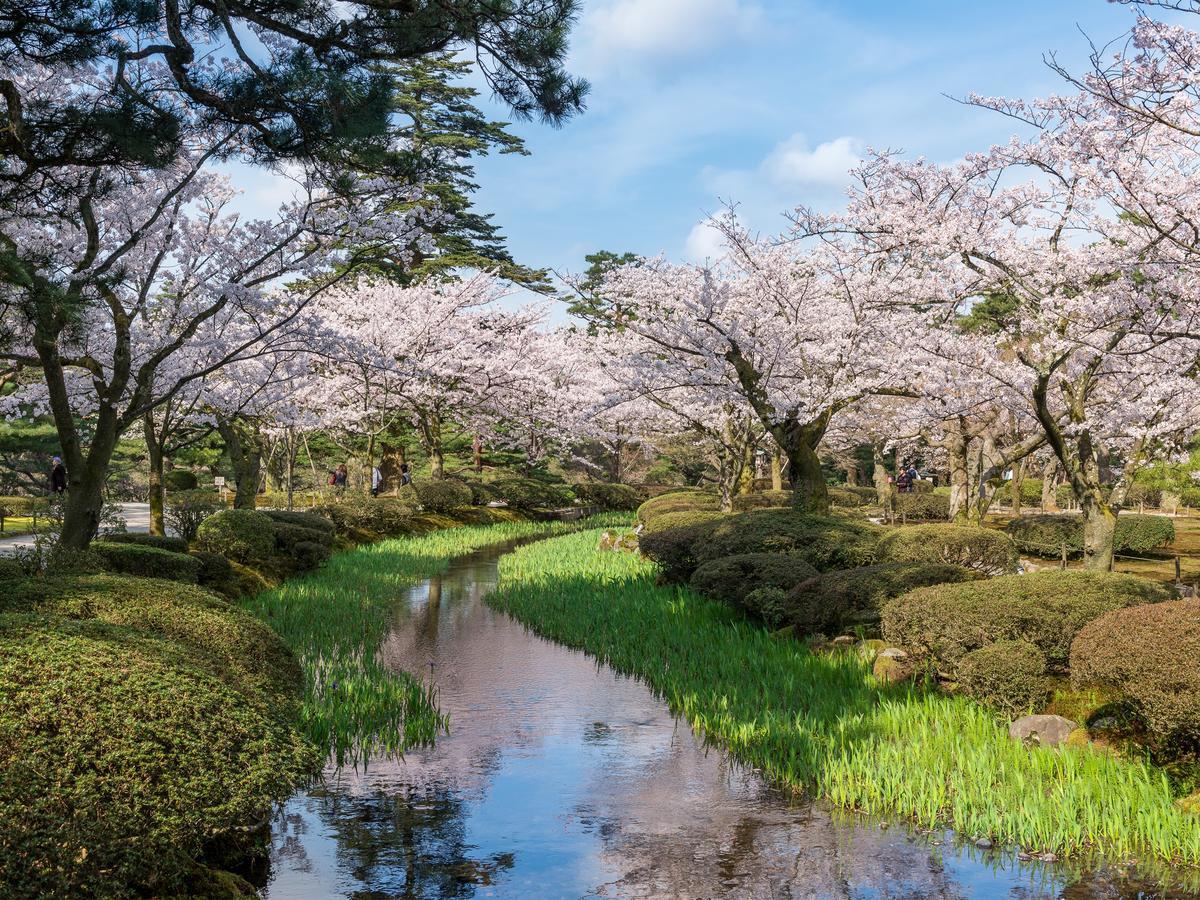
point(370, 517)
point(981, 550)
point(234, 644)
point(243, 535)
point(924, 507)
point(1047, 609)
point(731, 578)
point(530, 493)
point(158, 541)
point(1151, 654)
point(149, 562)
point(310, 520)
point(123, 758)
point(442, 495)
point(851, 497)
point(839, 601)
point(676, 501)
point(674, 549)
point(215, 571)
point(180, 480)
point(610, 496)
point(826, 542)
point(1045, 535)
point(1009, 676)
point(762, 500)
point(680, 519)
point(288, 536)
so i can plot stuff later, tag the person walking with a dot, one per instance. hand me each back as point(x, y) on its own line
point(339, 479)
point(58, 477)
point(376, 481)
point(405, 474)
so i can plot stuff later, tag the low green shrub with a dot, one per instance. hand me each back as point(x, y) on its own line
point(674, 549)
point(180, 480)
point(1151, 654)
point(442, 495)
point(762, 500)
point(123, 758)
point(371, 517)
point(288, 536)
point(844, 498)
point(768, 603)
point(982, 550)
point(243, 535)
point(680, 519)
point(187, 509)
point(234, 644)
point(923, 507)
point(826, 542)
point(1045, 535)
point(149, 562)
point(157, 541)
point(1009, 676)
point(840, 601)
point(215, 570)
point(530, 493)
point(677, 501)
point(1031, 491)
point(310, 520)
point(10, 568)
point(310, 555)
point(1046, 608)
point(731, 578)
point(609, 496)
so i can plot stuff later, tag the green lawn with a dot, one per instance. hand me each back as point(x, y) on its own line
point(822, 724)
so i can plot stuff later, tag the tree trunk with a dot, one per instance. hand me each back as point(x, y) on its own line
point(884, 490)
point(391, 458)
point(291, 450)
point(245, 456)
point(157, 495)
point(810, 495)
point(84, 504)
point(1015, 487)
point(958, 451)
point(776, 471)
point(1099, 532)
point(1049, 485)
point(477, 454)
point(851, 467)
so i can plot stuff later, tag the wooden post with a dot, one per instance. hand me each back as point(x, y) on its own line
point(1178, 573)
point(1064, 555)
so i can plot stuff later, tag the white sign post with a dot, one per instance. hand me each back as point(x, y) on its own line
point(219, 481)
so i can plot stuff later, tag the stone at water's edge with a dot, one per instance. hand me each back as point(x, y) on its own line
point(891, 669)
point(1049, 731)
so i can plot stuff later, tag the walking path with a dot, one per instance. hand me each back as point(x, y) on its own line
point(136, 516)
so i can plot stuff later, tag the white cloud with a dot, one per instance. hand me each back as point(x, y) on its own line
point(704, 243)
point(616, 34)
point(792, 162)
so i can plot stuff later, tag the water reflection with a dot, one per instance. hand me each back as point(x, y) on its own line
point(562, 779)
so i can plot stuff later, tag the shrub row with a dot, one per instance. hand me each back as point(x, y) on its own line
point(1045, 535)
point(148, 562)
point(982, 550)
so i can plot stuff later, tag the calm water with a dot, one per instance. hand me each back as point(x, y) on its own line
point(562, 779)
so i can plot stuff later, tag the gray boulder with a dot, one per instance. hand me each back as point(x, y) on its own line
point(1049, 731)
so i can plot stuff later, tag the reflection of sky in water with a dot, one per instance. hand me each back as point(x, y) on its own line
point(562, 779)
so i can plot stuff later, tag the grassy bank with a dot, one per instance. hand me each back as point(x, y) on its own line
point(823, 724)
point(335, 619)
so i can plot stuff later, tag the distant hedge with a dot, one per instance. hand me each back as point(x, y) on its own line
point(608, 496)
point(442, 495)
point(180, 480)
point(924, 507)
point(1045, 535)
point(676, 501)
point(762, 500)
point(530, 493)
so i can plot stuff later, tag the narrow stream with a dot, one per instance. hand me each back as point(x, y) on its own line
point(563, 779)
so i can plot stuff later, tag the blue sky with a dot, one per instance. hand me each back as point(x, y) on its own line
point(764, 102)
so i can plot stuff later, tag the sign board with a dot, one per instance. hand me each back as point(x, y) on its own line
point(219, 481)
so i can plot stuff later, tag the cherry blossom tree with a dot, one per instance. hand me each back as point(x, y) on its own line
point(149, 284)
point(793, 334)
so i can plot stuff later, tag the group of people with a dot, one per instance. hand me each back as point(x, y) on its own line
point(906, 481)
point(338, 477)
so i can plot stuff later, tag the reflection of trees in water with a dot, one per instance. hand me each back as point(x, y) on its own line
point(407, 842)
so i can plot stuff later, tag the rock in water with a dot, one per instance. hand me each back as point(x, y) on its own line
point(1049, 731)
